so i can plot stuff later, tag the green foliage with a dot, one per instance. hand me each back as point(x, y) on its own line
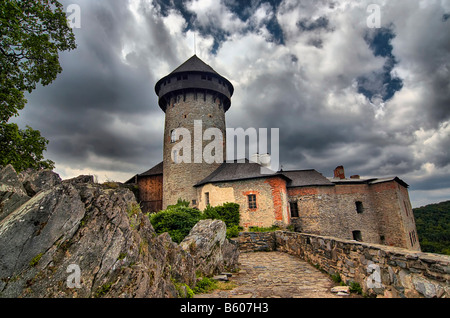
point(233, 231)
point(336, 278)
point(433, 227)
point(133, 209)
point(36, 260)
point(229, 213)
point(103, 290)
point(205, 285)
point(23, 149)
point(273, 228)
point(356, 288)
point(33, 32)
point(177, 220)
point(180, 203)
point(184, 291)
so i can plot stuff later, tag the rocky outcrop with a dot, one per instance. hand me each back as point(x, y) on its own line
point(12, 192)
point(34, 181)
point(75, 238)
point(211, 251)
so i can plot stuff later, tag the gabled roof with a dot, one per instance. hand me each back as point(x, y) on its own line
point(194, 64)
point(155, 171)
point(236, 171)
point(304, 178)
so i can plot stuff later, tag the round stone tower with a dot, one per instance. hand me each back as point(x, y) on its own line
point(192, 93)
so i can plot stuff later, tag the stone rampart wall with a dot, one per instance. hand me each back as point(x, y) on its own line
point(380, 270)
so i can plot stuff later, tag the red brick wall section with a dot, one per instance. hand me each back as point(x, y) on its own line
point(278, 187)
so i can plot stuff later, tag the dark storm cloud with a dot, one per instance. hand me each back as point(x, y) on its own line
point(374, 100)
point(81, 111)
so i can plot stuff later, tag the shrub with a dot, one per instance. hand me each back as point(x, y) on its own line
point(229, 213)
point(205, 285)
point(355, 288)
point(336, 278)
point(177, 220)
point(233, 231)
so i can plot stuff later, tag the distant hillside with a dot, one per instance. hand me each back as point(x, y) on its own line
point(433, 227)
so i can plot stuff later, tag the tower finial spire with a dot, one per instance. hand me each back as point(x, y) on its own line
point(195, 44)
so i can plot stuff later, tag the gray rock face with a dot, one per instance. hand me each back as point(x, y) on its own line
point(12, 192)
point(35, 181)
point(208, 245)
point(75, 239)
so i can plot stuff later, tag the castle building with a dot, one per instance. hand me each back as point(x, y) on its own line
point(375, 210)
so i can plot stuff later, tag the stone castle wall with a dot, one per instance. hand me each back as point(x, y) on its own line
point(271, 200)
point(386, 216)
point(380, 270)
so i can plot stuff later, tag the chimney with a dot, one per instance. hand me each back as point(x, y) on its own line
point(339, 173)
point(356, 177)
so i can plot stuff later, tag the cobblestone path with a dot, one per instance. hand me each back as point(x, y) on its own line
point(276, 275)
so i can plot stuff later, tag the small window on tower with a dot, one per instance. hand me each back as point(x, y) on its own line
point(359, 207)
point(252, 201)
point(185, 77)
point(207, 198)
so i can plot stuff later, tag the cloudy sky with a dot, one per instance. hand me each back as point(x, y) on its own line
point(376, 100)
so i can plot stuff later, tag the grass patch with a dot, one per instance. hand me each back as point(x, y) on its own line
point(207, 285)
point(36, 260)
point(273, 228)
point(103, 290)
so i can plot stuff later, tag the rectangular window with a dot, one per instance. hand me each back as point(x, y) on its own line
point(207, 198)
point(294, 209)
point(252, 201)
point(357, 236)
point(359, 207)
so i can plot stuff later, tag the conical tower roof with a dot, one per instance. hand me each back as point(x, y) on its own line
point(194, 64)
point(193, 75)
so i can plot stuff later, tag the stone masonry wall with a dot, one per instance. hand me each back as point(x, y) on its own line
point(256, 242)
point(271, 200)
point(380, 270)
point(386, 216)
point(180, 178)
